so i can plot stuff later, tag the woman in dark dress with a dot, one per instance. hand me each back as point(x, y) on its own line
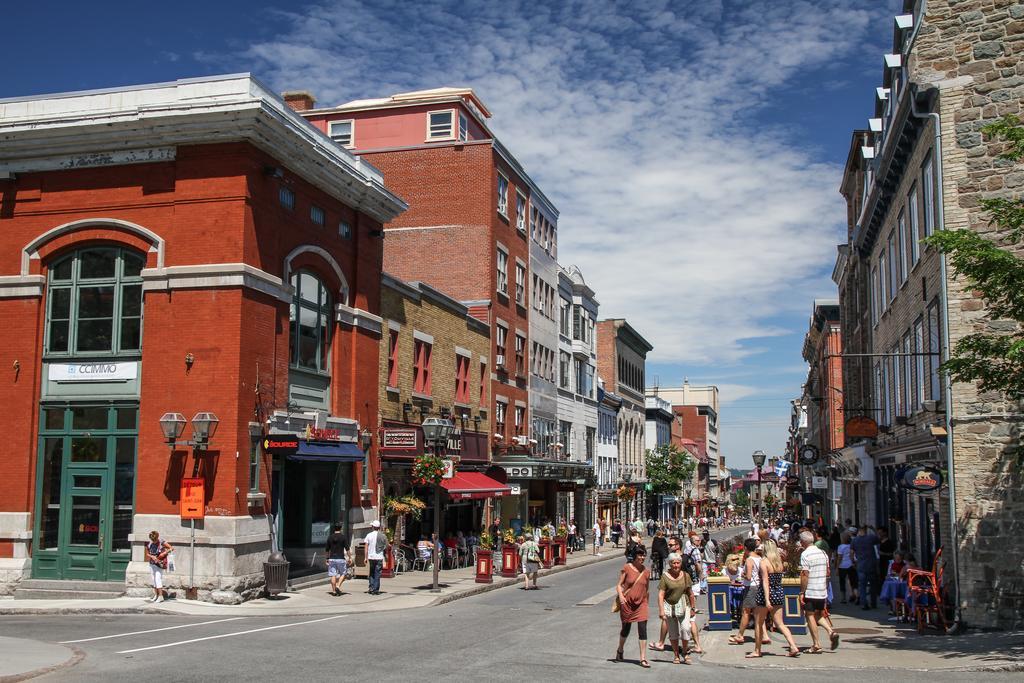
point(659, 551)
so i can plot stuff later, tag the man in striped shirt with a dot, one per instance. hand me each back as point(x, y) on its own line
point(814, 575)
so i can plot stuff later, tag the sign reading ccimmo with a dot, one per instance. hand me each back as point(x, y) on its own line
point(93, 372)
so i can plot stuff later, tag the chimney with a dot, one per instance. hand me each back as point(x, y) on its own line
point(299, 100)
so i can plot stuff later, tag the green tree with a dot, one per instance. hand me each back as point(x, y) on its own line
point(742, 500)
point(668, 467)
point(993, 358)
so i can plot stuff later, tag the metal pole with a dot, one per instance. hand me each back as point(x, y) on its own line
point(437, 530)
point(192, 558)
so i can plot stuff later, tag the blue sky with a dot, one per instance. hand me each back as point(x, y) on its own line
point(693, 148)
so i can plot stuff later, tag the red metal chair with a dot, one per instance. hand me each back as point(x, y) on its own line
point(926, 595)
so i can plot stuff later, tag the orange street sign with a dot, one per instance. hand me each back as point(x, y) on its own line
point(193, 498)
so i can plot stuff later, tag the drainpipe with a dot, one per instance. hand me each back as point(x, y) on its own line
point(947, 383)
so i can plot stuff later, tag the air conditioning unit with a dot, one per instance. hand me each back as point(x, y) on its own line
point(522, 440)
point(931, 406)
point(499, 360)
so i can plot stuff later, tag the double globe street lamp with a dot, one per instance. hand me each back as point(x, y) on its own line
point(436, 431)
point(759, 457)
point(204, 426)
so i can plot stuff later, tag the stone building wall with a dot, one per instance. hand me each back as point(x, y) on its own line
point(971, 50)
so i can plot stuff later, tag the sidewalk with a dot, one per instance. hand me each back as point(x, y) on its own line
point(870, 642)
point(406, 591)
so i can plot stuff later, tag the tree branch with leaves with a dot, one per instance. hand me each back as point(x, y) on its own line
point(668, 467)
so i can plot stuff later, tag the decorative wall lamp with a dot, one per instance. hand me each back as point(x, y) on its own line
point(204, 426)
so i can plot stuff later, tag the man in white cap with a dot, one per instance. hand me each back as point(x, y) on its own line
point(376, 545)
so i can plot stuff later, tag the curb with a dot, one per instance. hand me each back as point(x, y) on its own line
point(505, 583)
point(440, 600)
point(1012, 667)
point(77, 656)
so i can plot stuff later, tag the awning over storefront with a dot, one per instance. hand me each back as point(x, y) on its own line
point(343, 451)
point(474, 486)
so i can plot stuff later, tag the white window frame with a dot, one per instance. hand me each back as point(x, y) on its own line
point(463, 127)
point(501, 268)
point(520, 284)
point(521, 209)
point(351, 132)
point(450, 135)
point(919, 363)
point(901, 222)
point(928, 193)
point(502, 194)
point(914, 226)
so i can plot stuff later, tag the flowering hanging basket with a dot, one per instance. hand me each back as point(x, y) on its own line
point(626, 493)
point(427, 469)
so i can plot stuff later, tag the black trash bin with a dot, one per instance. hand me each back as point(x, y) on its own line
point(275, 574)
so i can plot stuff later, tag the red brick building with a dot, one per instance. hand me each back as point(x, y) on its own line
point(182, 248)
point(466, 233)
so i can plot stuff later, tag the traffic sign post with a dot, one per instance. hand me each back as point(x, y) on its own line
point(192, 504)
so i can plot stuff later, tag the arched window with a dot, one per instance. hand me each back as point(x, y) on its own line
point(311, 323)
point(94, 303)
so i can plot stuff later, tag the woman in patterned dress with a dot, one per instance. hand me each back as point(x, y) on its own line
point(770, 597)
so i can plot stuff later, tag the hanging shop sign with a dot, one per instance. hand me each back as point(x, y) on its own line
point(819, 483)
point(921, 479)
point(281, 444)
point(809, 454)
point(93, 372)
point(449, 468)
point(861, 426)
point(314, 434)
point(398, 439)
point(519, 472)
point(192, 502)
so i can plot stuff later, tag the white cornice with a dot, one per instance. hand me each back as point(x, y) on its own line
point(84, 128)
point(18, 286)
point(356, 317)
point(215, 275)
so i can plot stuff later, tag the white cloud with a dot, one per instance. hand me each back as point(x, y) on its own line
point(684, 216)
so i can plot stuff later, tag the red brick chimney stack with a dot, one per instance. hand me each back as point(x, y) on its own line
point(299, 100)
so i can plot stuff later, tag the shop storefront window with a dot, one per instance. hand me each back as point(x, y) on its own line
point(49, 504)
point(95, 303)
point(311, 323)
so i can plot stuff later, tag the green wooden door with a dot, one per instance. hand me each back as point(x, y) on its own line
point(86, 534)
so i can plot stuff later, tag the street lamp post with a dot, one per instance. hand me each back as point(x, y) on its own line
point(436, 431)
point(759, 457)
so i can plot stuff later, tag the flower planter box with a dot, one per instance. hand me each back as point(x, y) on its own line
point(484, 566)
point(719, 614)
point(547, 554)
point(792, 610)
point(387, 570)
point(561, 544)
point(509, 561)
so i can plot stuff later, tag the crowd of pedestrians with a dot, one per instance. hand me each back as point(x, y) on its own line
point(680, 558)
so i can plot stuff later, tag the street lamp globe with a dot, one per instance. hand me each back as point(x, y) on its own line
point(437, 429)
point(759, 457)
point(204, 426)
point(172, 425)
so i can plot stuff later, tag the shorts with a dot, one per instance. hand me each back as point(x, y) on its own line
point(532, 567)
point(749, 600)
point(337, 567)
point(157, 575)
point(814, 604)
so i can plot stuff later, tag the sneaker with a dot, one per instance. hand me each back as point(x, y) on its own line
point(152, 599)
point(159, 599)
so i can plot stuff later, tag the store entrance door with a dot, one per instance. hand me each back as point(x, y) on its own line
point(86, 532)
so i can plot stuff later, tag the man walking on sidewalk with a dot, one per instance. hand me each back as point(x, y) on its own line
point(814, 574)
point(376, 545)
point(337, 552)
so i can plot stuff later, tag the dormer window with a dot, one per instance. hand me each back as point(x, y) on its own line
point(342, 132)
point(439, 125)
point(463, 127)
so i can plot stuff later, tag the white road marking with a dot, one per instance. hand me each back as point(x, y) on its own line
point(599, 598)
point(231, 635)
point(152, 630)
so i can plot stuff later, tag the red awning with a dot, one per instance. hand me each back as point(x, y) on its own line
point(474, 486)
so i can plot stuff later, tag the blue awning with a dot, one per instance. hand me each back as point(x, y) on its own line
point(343, 451)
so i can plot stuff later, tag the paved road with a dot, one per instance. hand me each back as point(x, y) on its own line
point(564, 631)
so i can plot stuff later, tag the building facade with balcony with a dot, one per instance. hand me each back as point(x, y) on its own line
point(176, 249)
point(924, 165)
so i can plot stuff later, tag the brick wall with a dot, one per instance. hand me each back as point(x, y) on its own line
point(213, 204)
